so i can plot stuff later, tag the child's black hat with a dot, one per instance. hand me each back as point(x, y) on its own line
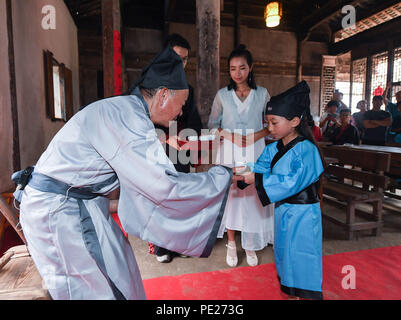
point(294, 102)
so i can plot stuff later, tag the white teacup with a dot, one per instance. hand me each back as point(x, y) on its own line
point(210, 137)
point(193, 138)
point(239, 164)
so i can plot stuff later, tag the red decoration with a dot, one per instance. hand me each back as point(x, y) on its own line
point(118, 79)
point(378, 91)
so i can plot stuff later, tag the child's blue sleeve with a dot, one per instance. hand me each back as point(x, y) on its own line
point(303, 171)
point(262, 165)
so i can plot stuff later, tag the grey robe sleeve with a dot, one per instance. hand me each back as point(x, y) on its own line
point(178, 211)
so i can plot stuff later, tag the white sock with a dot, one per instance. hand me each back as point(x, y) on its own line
point(250, 253)
point(232, 249)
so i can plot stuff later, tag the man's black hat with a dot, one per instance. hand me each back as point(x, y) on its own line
point(165, 70)
point(294, 102)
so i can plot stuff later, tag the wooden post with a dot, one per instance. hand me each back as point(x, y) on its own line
point(112, 70)
point(368, 84)
point(208, 68)
point(236, 23)
point(13, 88)
point(299, 61)
point(390, 66)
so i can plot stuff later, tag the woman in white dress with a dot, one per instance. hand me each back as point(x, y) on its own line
point(238, 113)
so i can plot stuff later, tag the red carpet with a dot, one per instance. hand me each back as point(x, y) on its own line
point(378, 276)
point(117, 220)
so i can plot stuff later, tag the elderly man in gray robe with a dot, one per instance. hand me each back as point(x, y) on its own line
point(79, 250)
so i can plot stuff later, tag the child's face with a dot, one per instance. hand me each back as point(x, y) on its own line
point(345, 118)
point(280, 127)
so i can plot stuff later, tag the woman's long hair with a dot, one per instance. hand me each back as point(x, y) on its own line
point(241, 51)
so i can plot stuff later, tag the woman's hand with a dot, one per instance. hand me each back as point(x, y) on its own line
point(235, 138)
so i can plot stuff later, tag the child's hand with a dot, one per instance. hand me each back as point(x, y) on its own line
point(237, 178)
point(249, 177)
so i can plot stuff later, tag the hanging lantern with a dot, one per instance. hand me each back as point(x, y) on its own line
point(273, 13)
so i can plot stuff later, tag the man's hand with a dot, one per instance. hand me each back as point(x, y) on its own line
point(173, 141)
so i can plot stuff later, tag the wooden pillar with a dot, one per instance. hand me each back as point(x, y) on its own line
point(13, 88)
point(368, 84)
point(299, 61)
point(327, 80)
point(237, 23)
point(390, 66)
point(208, 55)
point(112, 56)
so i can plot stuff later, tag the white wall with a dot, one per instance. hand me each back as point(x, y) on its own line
point(30, 39)
point(35, 129)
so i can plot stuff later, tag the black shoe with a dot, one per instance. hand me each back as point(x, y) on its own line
point(166, 258)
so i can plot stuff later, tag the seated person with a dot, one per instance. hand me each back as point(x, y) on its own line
point(329, 120)
point(345, 132)
point(377, 123)
point(317, 134)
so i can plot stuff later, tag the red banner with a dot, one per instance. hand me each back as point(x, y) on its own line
point(118, 79)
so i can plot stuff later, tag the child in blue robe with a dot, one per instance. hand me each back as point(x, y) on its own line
point(287, 174)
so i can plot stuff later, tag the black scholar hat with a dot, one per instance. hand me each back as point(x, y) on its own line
point(165, 70)
point(294, 102)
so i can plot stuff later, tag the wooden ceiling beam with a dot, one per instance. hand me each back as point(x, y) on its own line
point(325, 13)
point(383, 32)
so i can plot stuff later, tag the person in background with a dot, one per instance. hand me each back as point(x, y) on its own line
point(329, 119)
point(377, 123)
point(317, 133)
point(189, 119)
point(338, 96)
point(395, 131)
point(393, 108)
point(357, 117)
point(345, 132)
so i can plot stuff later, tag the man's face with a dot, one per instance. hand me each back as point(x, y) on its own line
point(337, 96)
point(167, 107)
point(377, 103)
point(183, 53)
point(332, 109)
point(398, 96)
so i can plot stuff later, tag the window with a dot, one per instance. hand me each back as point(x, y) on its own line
point(58, 89)
point(379, 73)
point(397, 73)
point(358, 82)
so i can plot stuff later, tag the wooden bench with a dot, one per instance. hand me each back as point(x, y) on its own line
point(19, 278)
point(363, 183)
